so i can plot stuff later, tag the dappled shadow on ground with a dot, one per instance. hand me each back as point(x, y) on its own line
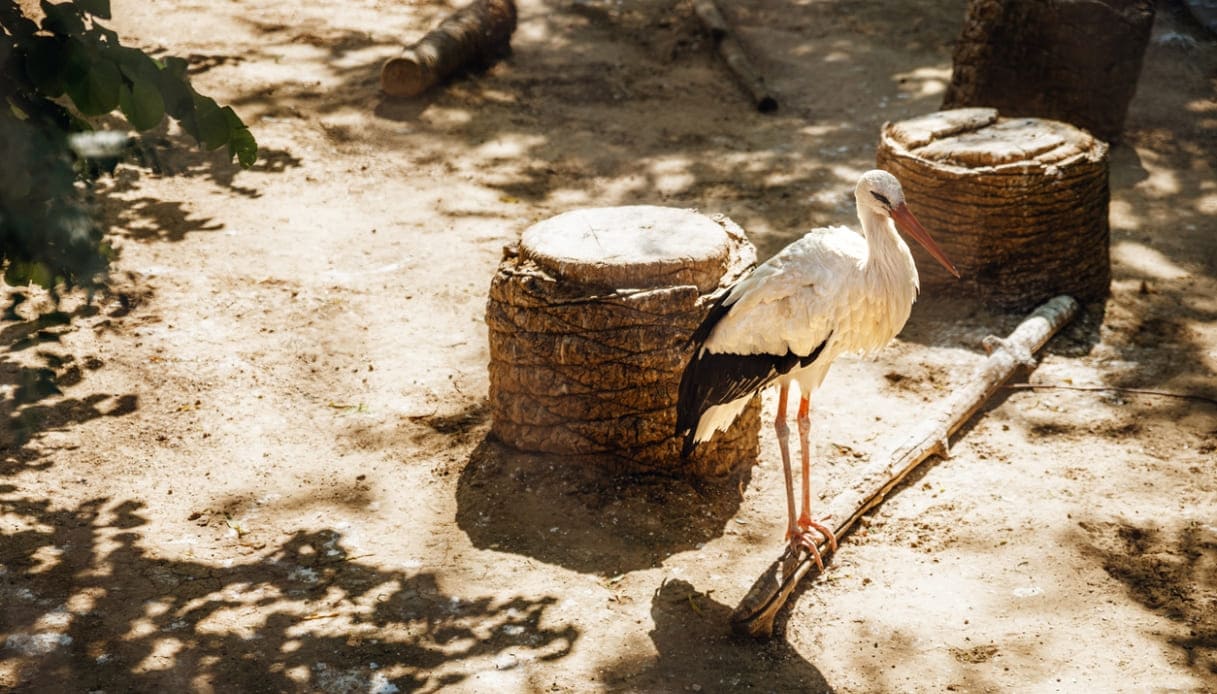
point(692, 640)
point(576, 513)
point(1170, 571)
point(88, 606)
point(33, 369)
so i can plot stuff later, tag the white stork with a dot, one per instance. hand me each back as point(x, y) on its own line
point(830, 292)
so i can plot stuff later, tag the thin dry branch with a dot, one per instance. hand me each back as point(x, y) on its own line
point(1114, 389)
point(755, 614)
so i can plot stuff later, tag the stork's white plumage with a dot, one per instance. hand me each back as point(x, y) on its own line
point(832, 291)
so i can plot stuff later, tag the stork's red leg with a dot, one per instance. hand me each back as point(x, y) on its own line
point(794, 534)
point(805, 522)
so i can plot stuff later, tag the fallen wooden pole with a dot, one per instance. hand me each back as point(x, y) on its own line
point(472, 37)
point(755, 614)
point(733, 54)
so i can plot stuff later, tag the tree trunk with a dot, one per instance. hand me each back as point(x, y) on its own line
point(1019, 204)
point(1070, 60)
point(589, 323)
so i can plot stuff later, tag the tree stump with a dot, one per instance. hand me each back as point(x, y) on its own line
point(590, 318)
point(1019, 204)
point(1071, 60)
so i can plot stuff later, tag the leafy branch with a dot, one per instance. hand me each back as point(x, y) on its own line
point(54, 74)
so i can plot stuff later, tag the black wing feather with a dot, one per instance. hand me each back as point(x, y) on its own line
point(718, 378)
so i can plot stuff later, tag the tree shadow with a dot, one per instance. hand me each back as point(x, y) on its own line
point(35, 371)
point(1172, 572)
point(693, 640)
point(88, 606)
point(578, 513)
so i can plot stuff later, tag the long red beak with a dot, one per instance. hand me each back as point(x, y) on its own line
point(907, 223)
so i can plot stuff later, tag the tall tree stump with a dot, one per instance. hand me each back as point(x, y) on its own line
point(590, 318)
point(1019, 204)
point(1072, 60)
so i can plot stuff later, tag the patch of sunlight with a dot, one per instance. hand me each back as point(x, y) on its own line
point(1147, 261)
point(1201, 106)
point(1160, 183)
point(47, 558)
point(57, 619)
point(439, 115)
point(1202, 303)
point(371, 54)
point(1206, 204)
point(848, 174)
point(819, 130)
point(161, 656)
point(1123, 217)
point(85, 600)
point(671, 175)
point(924, 81)
point(140, 628)
point(509, 146)
point(498, 96)
point(836, 57)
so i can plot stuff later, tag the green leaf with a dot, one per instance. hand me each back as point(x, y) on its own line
point(97, 8)
point(243, 145)
point(178, 95)
point(141, 103)
point(45, 64)
point(21, 273)
point(213, 124)
point(96, 92)
point(134, 63)
point(63, 18)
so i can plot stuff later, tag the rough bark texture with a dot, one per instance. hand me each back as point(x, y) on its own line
point(1019, 204)
point(1072, 60)
point(756, 611)
point(472, 37)
point(588, 342)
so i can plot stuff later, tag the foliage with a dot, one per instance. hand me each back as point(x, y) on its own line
point(55, 74)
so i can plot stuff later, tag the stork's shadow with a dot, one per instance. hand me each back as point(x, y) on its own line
point(695, 647)
point(581, 514)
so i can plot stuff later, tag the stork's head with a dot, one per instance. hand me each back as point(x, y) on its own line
point(880, 193)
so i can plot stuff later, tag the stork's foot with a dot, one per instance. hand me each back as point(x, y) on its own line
point(806, 524)
point(807, 535)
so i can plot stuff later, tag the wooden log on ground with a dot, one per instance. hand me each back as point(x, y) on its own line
point(733, 55)
point(1071, 60)
point(589, 322)
point(473, 37)
point(1019, 204)
point(756, 611)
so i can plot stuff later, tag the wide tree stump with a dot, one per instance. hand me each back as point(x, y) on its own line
point(1019, 204)
point(590, 318)
point(1072, 60)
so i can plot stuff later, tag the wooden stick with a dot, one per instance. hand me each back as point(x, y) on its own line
point(755, 614)
point(733, 54)
point(474, 36)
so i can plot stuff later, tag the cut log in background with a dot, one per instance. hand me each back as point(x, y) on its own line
point(473, 37)
point(1019, 204)
point(590, 318)
point(1071, 60)
point(732, 53)
point(757, 610)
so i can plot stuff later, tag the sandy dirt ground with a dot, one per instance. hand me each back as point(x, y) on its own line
point(269, 468)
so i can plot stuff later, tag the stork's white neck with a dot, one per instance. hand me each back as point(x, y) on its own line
point(890, 276)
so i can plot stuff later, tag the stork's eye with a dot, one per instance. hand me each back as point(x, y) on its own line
point(880, 198)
